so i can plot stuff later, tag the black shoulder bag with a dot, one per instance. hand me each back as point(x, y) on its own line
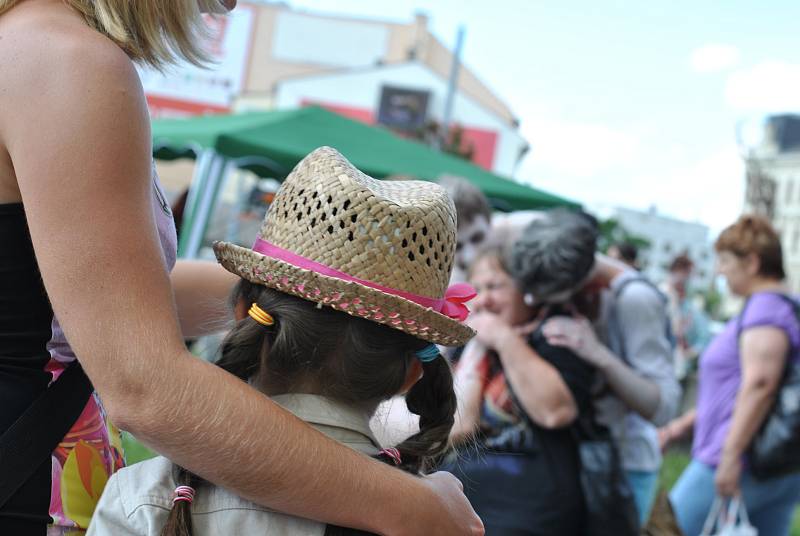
point(36, 433)
point(775, 449)
point(610, 505)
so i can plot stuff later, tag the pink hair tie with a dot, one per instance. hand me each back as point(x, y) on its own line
point(392, 453)
point(183, 493)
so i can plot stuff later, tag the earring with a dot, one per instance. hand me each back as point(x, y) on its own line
point(528, 299)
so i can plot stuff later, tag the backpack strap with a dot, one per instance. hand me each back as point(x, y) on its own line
point(615, 315)
point(36, 433)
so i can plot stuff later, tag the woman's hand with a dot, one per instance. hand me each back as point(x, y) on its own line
point(491, 329)
point(453, 514)
point(729, 472)
point(577, 334)
point(676, 429)
point(669, 433)
point(665, 437)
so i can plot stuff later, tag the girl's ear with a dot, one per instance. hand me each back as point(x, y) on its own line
point(413, 376)
point(240, 310)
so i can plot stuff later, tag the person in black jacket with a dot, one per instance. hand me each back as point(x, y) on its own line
point(518, 397)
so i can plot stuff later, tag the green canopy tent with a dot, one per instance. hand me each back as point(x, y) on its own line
point(271, 143)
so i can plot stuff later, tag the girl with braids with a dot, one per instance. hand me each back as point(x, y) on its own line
point(95, 309)
point(342, 301)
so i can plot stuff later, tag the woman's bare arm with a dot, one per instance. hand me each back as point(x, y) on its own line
point(75, 123)
point(469, 379)
point(201, 291)
point(538, 385)
point(763, 358)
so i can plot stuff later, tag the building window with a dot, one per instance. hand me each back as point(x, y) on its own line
point(787, 199)
point(667, 247)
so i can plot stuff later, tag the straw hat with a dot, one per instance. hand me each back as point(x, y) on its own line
point(378, 250)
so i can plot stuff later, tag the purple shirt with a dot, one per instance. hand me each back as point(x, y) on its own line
point(721, 372)
point(58, 346)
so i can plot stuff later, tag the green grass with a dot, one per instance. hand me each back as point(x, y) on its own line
point(135, 452)
point(674, 463)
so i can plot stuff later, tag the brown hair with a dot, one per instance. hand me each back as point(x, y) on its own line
point(469, 200)
point(754, 234)
point(330, 353)
point(153, 32)
point(681, 262)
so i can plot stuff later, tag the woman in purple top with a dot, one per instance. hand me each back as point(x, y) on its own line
point(740, 372)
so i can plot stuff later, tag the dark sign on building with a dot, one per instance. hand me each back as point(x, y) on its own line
point(403, 109)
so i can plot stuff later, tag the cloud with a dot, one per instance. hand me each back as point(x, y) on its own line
point(767, 87)
point(709, 190)
point(577, 148)
point(638, 172)
point(713, 58)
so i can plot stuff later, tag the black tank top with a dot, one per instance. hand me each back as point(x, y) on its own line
point(25, 318)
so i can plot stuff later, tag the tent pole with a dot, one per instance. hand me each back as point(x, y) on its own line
point(205, 205)
point(452, 87)
point(234, 223)
point(199, 176)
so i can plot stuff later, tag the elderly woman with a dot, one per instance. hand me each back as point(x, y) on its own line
point(740, 372)
point(517, 396)
point(625, 338)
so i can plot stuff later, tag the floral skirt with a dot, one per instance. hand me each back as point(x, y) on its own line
point(82, 464)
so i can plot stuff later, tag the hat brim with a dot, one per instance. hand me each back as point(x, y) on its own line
point(349, 297)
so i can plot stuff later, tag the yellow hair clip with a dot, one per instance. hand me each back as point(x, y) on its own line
point(260, 315)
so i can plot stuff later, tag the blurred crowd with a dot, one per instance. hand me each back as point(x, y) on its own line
point(583, 372)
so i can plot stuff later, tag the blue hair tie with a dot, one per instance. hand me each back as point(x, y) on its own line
point(428, 354)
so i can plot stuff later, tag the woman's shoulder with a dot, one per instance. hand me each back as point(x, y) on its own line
point(57, 30)
point(770, 309)
point(52, 47)
point(768, 304)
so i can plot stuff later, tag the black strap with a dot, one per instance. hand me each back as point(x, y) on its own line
point(36, 433)
point(623, 354)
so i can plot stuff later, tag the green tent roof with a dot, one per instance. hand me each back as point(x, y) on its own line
point(285, 137)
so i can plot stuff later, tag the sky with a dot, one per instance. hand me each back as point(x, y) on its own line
point(625, 103)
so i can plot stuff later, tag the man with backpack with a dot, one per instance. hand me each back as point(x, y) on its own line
point(627, 341)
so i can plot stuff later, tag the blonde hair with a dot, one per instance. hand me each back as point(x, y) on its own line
point(152, 32)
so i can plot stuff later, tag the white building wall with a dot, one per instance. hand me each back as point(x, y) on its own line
point(310, 39)
point(668, 238)
point(361, 89)
point(784, 168)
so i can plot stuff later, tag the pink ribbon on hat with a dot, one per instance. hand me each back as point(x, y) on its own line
point(452, 305)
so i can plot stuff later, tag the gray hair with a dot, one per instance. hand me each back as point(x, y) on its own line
point(554, 254)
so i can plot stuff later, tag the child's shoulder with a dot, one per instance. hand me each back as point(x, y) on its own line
point(139, 498)
point(151, 480)
point(136, 500)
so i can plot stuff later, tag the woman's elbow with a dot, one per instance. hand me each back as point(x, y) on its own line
point(126, 401)
point(762, 385)
point(559, 416)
